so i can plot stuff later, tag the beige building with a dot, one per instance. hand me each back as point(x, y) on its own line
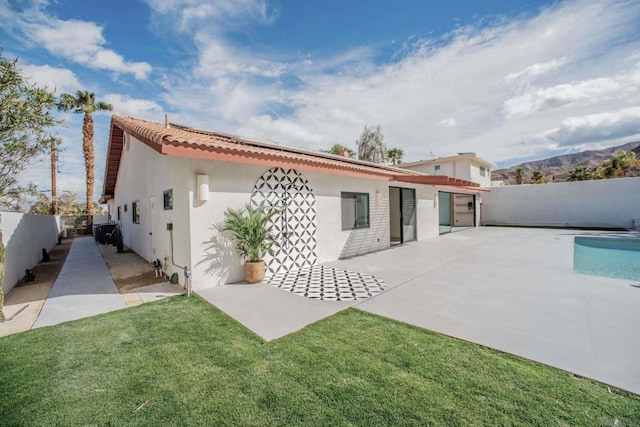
point(468, 166)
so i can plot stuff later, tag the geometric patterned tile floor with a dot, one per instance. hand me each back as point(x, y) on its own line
point(327, 283)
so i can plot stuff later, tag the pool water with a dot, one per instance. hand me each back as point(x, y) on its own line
point(607, 256)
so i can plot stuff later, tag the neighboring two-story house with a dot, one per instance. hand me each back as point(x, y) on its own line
point(457, 209)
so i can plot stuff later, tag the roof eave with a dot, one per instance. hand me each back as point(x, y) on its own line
point(436, 180)
point(272, 160)
point(475, 157)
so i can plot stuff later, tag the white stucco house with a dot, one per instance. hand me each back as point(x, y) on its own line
point(168, 185)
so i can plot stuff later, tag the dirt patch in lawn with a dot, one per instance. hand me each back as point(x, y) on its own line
point(129, 271)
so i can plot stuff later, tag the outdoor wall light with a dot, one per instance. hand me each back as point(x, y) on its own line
point(378, 198)
point(202, 187)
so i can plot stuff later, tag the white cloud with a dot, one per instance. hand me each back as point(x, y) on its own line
point(538, 69)
point(81, 42)
point(595, 127)
point(143, 108)
point(585, 92)
point(219, 60)
point(78, 41)
point(448, 123)
point(62, 79)
point(109, 60)
point(189, 14)
point(284, 130)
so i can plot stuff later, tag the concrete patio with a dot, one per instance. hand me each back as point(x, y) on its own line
point(511, 289)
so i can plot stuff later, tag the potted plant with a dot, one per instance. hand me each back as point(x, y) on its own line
point(253, 238)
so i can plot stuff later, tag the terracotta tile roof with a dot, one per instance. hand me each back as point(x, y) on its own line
point(182, 141)
point(177, 135)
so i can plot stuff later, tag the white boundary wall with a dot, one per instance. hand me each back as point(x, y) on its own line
point(24, 236)
point(607, 203)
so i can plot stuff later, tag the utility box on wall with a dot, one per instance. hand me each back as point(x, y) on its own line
point(169, 226)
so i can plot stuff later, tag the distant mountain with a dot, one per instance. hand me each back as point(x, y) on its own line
point(556, 169)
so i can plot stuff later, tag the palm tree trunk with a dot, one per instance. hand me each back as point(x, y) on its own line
point(87, 148)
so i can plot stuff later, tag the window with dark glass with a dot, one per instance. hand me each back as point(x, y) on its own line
point(168, 199)
point(437, 168)
point(483, 171)
point(355, 210)
point(135, 210)
point(119, 213)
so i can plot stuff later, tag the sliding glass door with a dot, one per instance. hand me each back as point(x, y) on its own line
point(408, 201)
point(402, 215)
point(444, 210)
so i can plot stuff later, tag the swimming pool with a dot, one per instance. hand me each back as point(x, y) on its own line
point(617, 257)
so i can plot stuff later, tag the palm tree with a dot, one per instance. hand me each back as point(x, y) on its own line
point(618, 167)
point(537, 177)
point(625, 161)
point(606, 170)
point(371, 145)
point(394, 155)
point(579, 173)
point(251, 231)
point(519, 172)
point(85, 103)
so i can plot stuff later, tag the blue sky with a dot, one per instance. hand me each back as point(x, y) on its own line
point(510, 80)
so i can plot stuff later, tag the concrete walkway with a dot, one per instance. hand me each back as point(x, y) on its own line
point(506, 288)
point(83, 288)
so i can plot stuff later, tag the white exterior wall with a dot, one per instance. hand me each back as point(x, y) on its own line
point(455, 168)
point(112, 210)
point(99, 219)
point(230, 185)
point(214, 260)
point(463, 169)
point(611, 203)
point(145, 173)
point(484, 181)
point(448, 168)
point(24, 236)
point(334, 243)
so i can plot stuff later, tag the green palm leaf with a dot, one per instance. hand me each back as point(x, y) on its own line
point(249, 228)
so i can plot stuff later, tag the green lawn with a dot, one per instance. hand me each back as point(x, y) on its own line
point(182, 362)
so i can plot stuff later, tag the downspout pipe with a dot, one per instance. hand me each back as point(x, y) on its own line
point(185, 269)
